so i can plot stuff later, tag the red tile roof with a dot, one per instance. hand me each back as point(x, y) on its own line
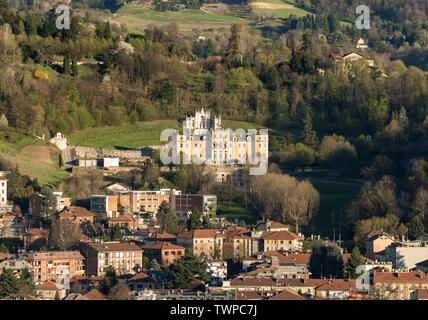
point(49, 285)
point(122, 218)
point(346, 256)
point(302, 282)
point(94, 294)
point(200, 233)
point(162, 246)
point(75, 212)
point(38, 232)
point(141, 277)
point(279, 235)
point(114, 246)
point(251, 282)
point(3, 178)
point(422, 294)
point(51, 255)
point(4, 256)
point(287, 295)
point(338, 285)
point(412, 276)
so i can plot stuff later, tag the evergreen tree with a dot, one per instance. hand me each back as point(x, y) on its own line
point(353, 262)
point(154, 265)
point(116, 233)
point(107, 31)
point(66, 68)
point(9, 283)
point(184, 271)
point(167, 220)
point(74, 66)
point(110, 279)
point(195, 220)
point(415, 227)
point(309, 135)
point(326, 261)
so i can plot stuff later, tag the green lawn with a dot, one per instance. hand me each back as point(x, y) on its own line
point(128, 135)
point(139, 16)
point(34, 158)
point(238, 211)
point(334, 198)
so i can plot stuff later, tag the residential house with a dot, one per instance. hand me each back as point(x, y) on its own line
point(280, 240)
point(49, 291)
point(77, 215)
point(117, 187)
point(419, 294)
point(165, 253)
point(352, 57)
point(61, 201)
point(404, 256)
point(376, 241)
point(124, 222)
point(141, 281)
point(269, 225)
point(84, 284)
point(204, 203)
point(335, 289)
point(123, 256)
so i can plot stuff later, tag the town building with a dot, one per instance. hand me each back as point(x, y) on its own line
point(217, 270)
point(205, 203)
point(50, 290)
point(36, 234)
point(352, 57)
point(206, 243)
point(398, 285)
point(165, 253)
point(123, 256)
point(61, 201)
point(51, 265)
point(77, 215)
point(160, 237)
point(124, 222)
point(140, 282)
point(17, 266)
point(376, 241)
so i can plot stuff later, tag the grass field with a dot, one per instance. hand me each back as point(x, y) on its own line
point(138, 16)
point(34, 158)
point(277, 8)
point(238, 211)
point(128, 135)
point(334, 198)
point(140, 134)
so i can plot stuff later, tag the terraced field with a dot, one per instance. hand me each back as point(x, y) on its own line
point(277, 8)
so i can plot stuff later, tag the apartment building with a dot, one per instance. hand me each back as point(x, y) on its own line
point(123, 256)
point(237, 243)
point(165, 253)
point(205, 203)
point(398, 285)
point(204, 242)
point(376, 241)
point(51, 265)
point(135, 201)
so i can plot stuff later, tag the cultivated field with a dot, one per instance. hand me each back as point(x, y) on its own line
point(138, 16)
point(277, 8)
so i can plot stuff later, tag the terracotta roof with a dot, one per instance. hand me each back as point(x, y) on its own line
point(4, 256)
point(162, 246)
point(94, 294)
point(158, 236)
point(287, 295)
point(412, 276)
point(237, 232)
point(289, 258)
point(141, 277)
point(346, 256)
point(277, 225)
point(50, 255)
point(254, 295)
point(279, 235)
point(75, 212)
point(11, 217)
point(302, 282)
point(114, 246)
point(49, 285)
point(200, 233)
point(251, 282)
point(3, 178)
point(337, 285)
point(122, 218)
point(377, 233)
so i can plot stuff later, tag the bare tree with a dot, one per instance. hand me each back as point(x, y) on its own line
point(64, 234)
